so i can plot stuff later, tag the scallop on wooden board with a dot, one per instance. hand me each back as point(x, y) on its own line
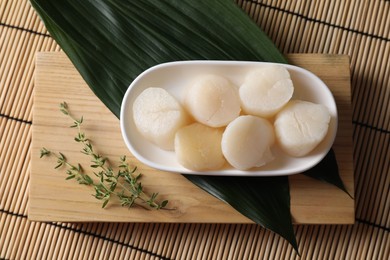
point(175, 77)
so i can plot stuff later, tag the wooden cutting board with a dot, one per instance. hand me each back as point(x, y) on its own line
point(52, 198)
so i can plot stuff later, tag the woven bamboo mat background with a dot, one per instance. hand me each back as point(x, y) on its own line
point(360, 29)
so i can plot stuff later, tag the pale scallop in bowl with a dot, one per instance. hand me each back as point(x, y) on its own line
point(174, 77)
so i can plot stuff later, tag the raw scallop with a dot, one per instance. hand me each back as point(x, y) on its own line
point(158, 115)
point(198, 147)
point(266, 90)
point(301, 126)
point(247, 142)
point(212, 100)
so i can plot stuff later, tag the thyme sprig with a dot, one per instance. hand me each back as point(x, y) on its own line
point(123, 183)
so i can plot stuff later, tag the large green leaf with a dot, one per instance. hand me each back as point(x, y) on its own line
point(272, 194)
point(111, 41)
point(328, 171)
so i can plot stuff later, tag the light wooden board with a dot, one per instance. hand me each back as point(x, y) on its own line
point(52, 198)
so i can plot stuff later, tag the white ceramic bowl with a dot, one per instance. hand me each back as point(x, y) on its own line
point(174, 77)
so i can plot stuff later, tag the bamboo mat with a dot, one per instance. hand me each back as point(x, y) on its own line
point(360, 29)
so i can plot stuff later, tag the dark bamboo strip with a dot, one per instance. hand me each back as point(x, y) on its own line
point(16, 119)
point(324, 22)
point(373, 128)
point(24, 29)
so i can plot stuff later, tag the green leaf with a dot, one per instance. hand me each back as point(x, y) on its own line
point(164, 204)
point(44, 152)
point(327, 171)
point(88, 180)
point(264, 200)
point(105, 203)
point(110, 42)
point(70, 177)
